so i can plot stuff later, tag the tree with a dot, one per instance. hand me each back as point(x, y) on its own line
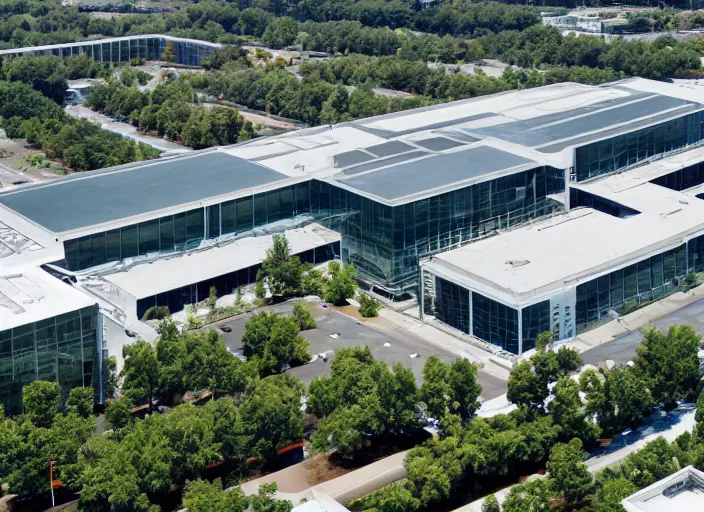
point(435, 391)
point(140, 371)
point(368, 306)
point(202, 496)
point(109, 376)
point(169, 51)
point(302, 315)
point(361, 398)
point(669, 363)
point(274, 342)
point(41, 402)
point(263, 501)
point(529, 497)
point(282, 271)
point(272, 415)
point(462, 378)
point(608, 497)
point(342, 285)
point(491, 504)
point(80, 401)
point(280, 32)
point(118, 413)
point(568, 413)
point(568, 472)
point(524, 387)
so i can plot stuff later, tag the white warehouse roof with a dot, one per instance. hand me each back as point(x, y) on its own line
point(147, 279)
point(521, 265)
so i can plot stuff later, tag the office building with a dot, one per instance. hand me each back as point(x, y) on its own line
point(545, 209)
point(188, 52)
point(682, 491)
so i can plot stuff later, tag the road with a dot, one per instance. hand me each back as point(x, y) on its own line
point(623, 349)
point(376, 333)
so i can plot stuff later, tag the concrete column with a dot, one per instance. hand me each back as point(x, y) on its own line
point(520, 331)
point(421, 301)
point(471, 313)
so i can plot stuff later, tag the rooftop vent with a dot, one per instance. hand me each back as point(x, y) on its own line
point(517, 263)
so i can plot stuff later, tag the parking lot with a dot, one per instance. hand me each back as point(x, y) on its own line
point(388, 343)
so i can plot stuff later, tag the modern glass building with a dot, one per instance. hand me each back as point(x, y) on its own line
point(387, 239)
point(188, 52)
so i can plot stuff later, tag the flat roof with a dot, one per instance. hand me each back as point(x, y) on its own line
point(682, 491)
point(162, 275)
point(526, 264)
point(434, 172)
point(576, 122)
point(27, 49)
point(31, 294)
point(97, 197)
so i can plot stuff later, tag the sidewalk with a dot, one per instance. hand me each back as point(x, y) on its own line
point(342, 489)
point(636, 320)
point(442, 339)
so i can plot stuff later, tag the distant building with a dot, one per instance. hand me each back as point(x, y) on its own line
point(189, 52)
point(680, 492)
point(574, 22)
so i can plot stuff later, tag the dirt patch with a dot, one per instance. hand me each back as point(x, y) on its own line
point(350, 311)
point(321, 469)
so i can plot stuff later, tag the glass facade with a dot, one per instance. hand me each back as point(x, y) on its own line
point(187, 229)
point(452, 304)
point(149, 48)
point(178, 298)
point(617, 152)
point(62, 349)
point(534, 320)
point(582, 198)
point(647, 280)
point(695, 254)
point(688, 177)
point(495, 323)
point(386, 243)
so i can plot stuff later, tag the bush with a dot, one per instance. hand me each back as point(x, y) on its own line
point(314, 282)
point(342, 284)
point(302, 315)
point(368, 306)
point(156, 313)
point(212, 297)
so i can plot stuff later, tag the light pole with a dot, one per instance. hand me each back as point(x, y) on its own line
point(51, 480)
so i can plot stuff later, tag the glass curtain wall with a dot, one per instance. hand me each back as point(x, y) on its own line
point(582, 198)
point(495, 323)
point(187, 229)
point(647, 280)
point(61, 349)
point(611, 154)
point(688, 177)
point(386, 243)
point(452, 304)
point(695, 254)
point(534, 320)
point(177, 299)
point(149, 48)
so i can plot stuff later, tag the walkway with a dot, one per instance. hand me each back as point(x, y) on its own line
point(349, 486)
point(125, 129)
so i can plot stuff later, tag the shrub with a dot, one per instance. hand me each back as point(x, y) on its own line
point(342, 284)
point(212, 297)
point(314, 282)
point(368, 306)
point(156, 313)
point(302, 315)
